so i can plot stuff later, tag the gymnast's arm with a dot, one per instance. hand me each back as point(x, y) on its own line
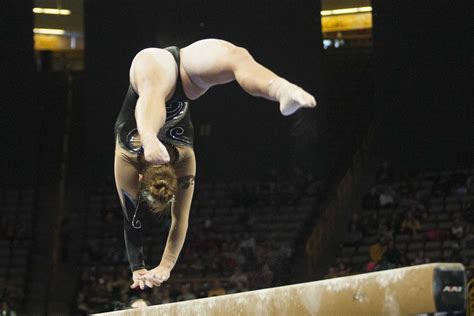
point(177, 233)
point(152, 76)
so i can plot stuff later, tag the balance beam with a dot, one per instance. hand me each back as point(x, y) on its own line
point(427, 288)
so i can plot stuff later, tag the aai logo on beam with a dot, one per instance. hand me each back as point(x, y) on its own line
point(452, 289)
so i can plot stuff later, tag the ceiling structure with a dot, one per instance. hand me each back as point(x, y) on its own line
point(71, 23)
point(74, 22)
point(341, 4)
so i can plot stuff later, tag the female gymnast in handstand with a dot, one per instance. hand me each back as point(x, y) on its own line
point(154, 157)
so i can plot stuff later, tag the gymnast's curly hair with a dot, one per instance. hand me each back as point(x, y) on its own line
point(158, 186)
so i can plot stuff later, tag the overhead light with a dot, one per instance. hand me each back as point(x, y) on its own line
point(49, 31)
point(51, 11)
point(346, 11)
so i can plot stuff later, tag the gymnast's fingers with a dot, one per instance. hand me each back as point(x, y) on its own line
point(151, 279)
point(148, 280)
point(149, 284)
point(134, 284)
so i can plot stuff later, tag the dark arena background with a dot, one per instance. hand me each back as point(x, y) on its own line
point(361, 206)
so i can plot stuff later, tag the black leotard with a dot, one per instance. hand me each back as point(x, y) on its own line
point(177, 131)
point(178, 128)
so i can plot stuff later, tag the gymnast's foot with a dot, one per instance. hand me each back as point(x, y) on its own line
point(291, 97)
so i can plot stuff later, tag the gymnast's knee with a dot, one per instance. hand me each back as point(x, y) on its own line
point(240, 55)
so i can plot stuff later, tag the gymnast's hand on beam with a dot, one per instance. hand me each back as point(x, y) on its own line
point(155, 152)
point(156, 276)
point(137, 281)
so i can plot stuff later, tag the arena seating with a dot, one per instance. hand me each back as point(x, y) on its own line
point(437, 200)
point(250, 225)
point(17, 217)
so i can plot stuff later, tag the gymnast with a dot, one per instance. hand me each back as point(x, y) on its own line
point(154, 163)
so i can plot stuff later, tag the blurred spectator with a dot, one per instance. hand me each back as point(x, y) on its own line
point(457, 229)
point(434, 234)
point(100, 294)
point(229, 257)
point(185, 294)
point(353, 236)
point(196, 266)
point(420, 258)
point(247, 220)
point(207, 224)
point(423, 216)
point(162, 294)
point(262, 254)
point(412, 204)
point(371, 224)
point(82, 307)
point(457, 214)
point(248, 249)
point(377, 250)
point(197, 289)
point(285, 252)
point(387, 198)
point(332, 273)
point(371, 266)
point(383, 230)
point(393, 256)
point(441, 186)
point(265, 277)
point(468, 242)
point(343, 270)
point(395, 223)
point(460, 190)
point(216, 289)
point(410, 224)
point(355, 221)
point(248, 242)
point(456, 251)
point(120, 282)
point(6, 310)
point(239, 280)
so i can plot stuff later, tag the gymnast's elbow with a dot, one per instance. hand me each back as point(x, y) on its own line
point(179, 224)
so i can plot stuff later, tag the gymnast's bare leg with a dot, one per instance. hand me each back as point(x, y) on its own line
point(210, 62)
point(203, 64)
